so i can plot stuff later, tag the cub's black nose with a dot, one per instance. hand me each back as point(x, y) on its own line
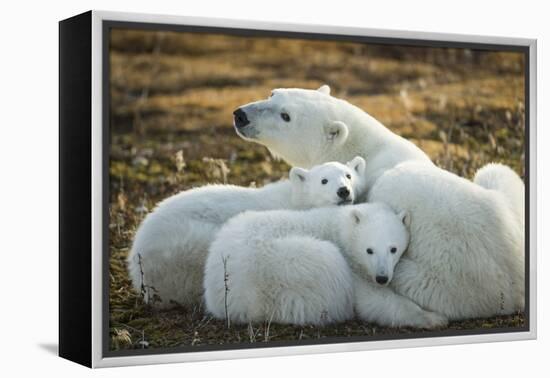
point(240, 118)
point(343, 192)
point(381, 279)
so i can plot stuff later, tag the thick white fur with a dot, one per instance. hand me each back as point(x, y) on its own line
point(173, 240)
point(466, 254)
point(294, 266)
point(323, 128)
point(502, 179)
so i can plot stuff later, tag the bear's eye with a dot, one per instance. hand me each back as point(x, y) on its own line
point(324, 181)
point(348, 176)
point(370, 251)
point(285, 117)
point(393, 249)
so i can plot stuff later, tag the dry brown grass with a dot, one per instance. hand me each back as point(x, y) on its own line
point(171, 102)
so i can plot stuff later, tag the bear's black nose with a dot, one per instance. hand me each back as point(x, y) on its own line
point(381, 279)
point(343, 192)
point(240, 118)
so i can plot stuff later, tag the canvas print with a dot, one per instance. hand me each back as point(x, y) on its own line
point(270, 190)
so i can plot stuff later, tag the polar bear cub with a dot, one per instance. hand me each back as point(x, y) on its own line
point(299, 267)
point(170, 247)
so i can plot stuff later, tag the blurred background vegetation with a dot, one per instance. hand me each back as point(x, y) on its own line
point(172, 98)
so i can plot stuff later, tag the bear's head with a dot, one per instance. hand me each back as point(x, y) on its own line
point(328, 184)
point(300, 125)
point(377, 237)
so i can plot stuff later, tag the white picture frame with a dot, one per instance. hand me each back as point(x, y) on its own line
point(98, 23)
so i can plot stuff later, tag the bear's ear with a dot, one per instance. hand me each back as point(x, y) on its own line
point(405, 217)
point(336, 132)
point(297, 175)
point(356, 216)
point(358, 164)
point(324, 89)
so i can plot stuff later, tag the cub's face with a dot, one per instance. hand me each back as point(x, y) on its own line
point(296, 124)
point(327, 184)
point(379, 237)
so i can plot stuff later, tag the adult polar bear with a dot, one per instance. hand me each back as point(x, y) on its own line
point(466, 254)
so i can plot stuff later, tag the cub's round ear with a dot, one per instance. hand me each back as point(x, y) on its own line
point(297, 174)
point(324, 89)
point(336, 132)
point(356, 216)
point(405, 217)
point(358, 164)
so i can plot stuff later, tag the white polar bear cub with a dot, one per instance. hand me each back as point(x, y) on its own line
point(170, 247)
point(294, 266)
point(466, 256)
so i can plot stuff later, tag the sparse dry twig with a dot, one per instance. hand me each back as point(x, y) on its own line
point(146, 290)
point(217, 169)
point(226, 290)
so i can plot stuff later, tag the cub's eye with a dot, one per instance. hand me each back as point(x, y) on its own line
point(393, 250)
point(324, 181)
point(285, 117)
point(348, 176)
point(370, 251)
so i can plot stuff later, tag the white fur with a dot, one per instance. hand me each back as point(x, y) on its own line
point(173, 240)
point(323, 128)
point(504, 180)
point(466, 254)
point(293, 267)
